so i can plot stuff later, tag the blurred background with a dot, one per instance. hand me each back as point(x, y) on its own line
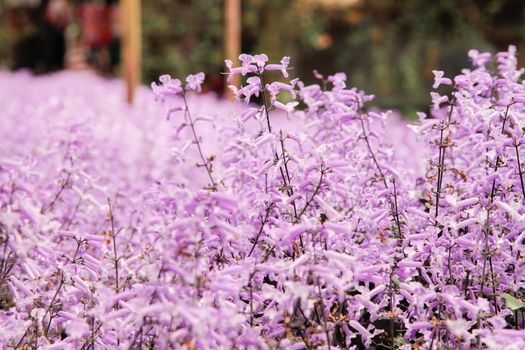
point(387, 47)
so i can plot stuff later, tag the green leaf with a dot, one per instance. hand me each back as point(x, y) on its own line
point(512, 302)
point(396, 281)
point(400, 341)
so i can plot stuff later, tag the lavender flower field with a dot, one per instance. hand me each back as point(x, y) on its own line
point(296, 217)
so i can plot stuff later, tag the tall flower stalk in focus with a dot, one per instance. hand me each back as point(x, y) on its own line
point(170, 88)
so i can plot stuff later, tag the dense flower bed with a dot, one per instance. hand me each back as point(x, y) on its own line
point(313, 224)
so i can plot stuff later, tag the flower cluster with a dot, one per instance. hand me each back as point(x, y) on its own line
point(313, 222)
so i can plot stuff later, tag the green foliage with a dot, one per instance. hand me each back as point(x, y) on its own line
point(181, 37)
point(512, 302)
point(4, 47)
point(386, 46)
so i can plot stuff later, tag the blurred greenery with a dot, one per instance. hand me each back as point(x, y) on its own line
point(4, 47)
point(386, 47)
point(181, 37)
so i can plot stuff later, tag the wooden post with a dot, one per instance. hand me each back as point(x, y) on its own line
point(232, 37)
point(131, 45)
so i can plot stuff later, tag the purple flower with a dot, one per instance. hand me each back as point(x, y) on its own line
point(260, 60)
point(169, 87)
point(283, 67)
point(240, 228)
point(288, 107)
point(194, 81)
point(439, 80)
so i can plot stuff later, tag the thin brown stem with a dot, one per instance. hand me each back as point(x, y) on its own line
point(6, 263)
point(520, 172)
point(325, 324)
point(263, 223)
point(396, 212)
point(63, 186)
point(23, 337)
point(250, 285)
point(393, 205)
point(115, 253)
point(196, 139)
point(286, 178)
point(51, 304)
point(487, 255)
point(312, 197)
point(392, 322)
point(441, 157)
point(372, 154)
